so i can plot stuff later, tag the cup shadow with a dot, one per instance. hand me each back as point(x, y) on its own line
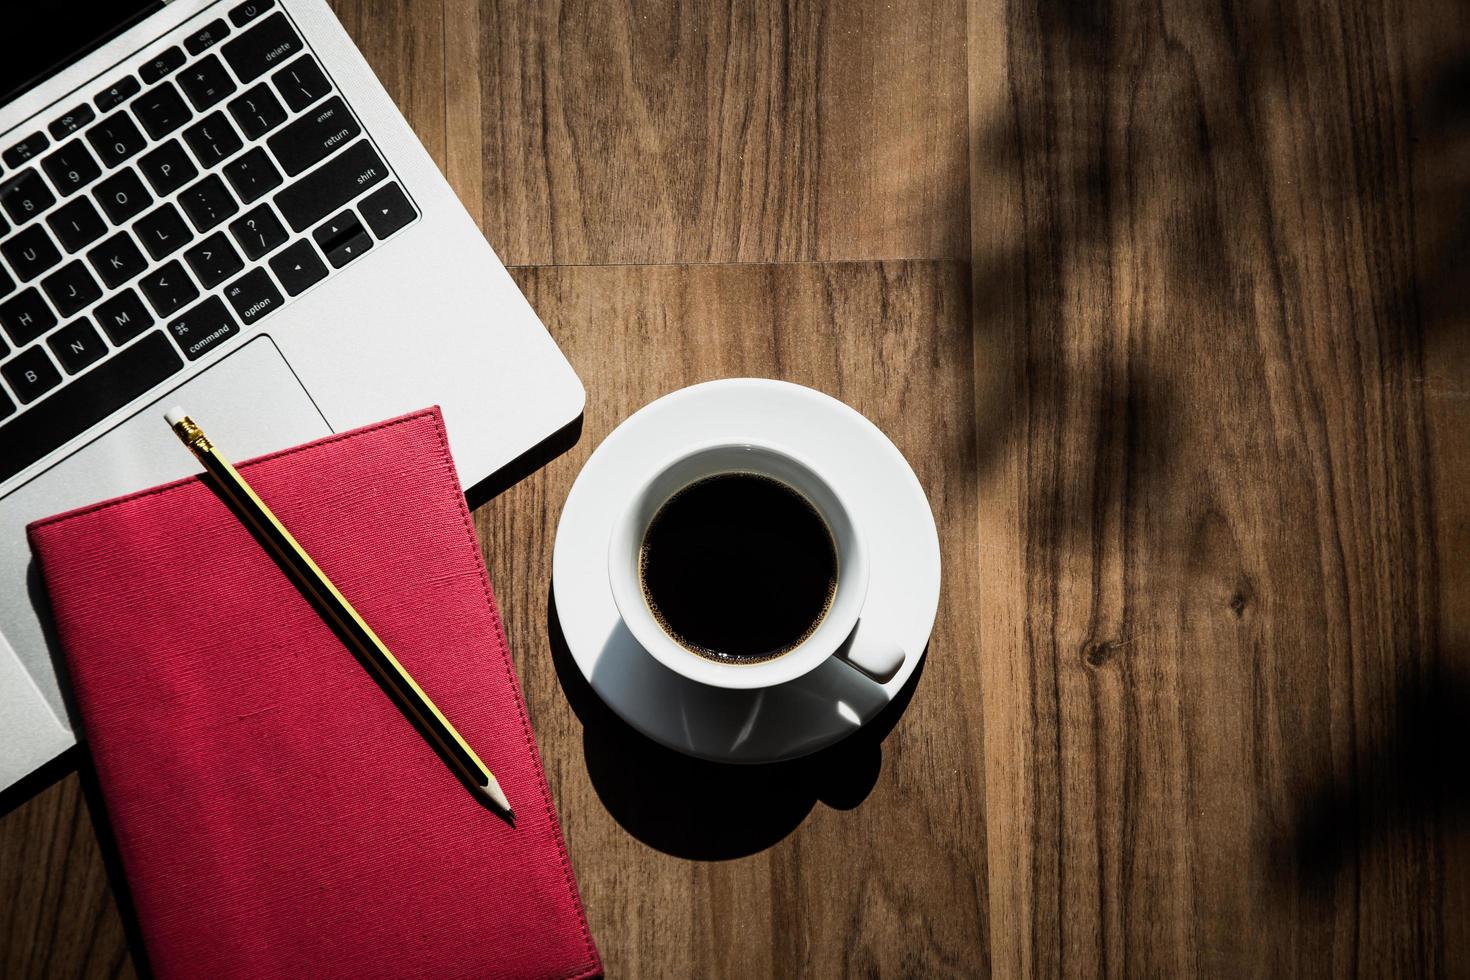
point(714, 811)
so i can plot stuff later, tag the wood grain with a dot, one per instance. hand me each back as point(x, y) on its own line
point(1213, 725)
point(1166, 304)
point(667, 132)
point(754, 131)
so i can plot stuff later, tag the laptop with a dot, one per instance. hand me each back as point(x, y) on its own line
point(215, 204)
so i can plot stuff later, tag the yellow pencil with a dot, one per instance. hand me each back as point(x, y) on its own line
point(474, 772)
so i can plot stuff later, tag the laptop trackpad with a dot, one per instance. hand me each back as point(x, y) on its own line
point(250, 402)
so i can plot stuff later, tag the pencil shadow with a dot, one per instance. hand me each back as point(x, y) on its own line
point(712, 811)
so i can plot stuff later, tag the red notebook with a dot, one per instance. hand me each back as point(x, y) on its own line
point(276, 813)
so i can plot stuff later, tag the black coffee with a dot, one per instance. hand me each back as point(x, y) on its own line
point(738, 568)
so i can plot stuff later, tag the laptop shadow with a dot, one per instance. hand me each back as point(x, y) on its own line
point(712, 811)
point(525, 464)
point(20, 792)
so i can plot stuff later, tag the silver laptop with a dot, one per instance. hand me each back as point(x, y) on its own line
point(216, 204)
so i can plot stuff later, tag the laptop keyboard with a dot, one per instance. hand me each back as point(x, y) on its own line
point(187, 202)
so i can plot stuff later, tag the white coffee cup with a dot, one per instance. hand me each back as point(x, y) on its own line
point(873, 655)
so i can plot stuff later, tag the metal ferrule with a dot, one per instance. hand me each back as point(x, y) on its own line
point(191, 435)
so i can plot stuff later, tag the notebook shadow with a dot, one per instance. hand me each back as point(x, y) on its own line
point(24, 789)
point(712, 811)
point(112, 861)
point(80, 759)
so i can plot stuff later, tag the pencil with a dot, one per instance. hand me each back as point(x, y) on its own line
point(338, 610)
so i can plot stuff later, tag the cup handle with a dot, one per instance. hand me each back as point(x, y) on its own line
point(871, 653)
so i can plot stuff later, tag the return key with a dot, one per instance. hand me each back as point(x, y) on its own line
point(314, 136)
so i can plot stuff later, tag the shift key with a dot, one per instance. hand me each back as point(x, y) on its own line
point(331, 185)
point(314, 136)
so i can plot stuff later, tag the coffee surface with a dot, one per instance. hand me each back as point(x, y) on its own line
point(738, 568)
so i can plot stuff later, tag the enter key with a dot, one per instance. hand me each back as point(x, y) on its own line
point(315, 136)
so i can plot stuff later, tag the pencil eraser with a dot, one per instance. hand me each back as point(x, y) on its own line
point(173, 415)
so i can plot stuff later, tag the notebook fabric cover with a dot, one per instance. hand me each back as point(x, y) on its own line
point(275, 812)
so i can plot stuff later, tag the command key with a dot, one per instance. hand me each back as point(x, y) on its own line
point(203, 327)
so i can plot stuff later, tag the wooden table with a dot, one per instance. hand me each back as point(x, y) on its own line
point(1167, 305)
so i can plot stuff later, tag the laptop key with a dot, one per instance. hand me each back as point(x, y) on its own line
point(167, 60)
point(212, 139)
point(25, 195)
point(246, 12)
point(77, 407)
point(214, 260)
point(252, 175)
point(169, 288)
point(162, 231)
point(342, 239)
point(18, 154)
point(30, 252)
point(207, 37)
point(330, 186)
point(71, 288)
point(25, 317)
point(77, 345)
point(314, 136)
point(207, 202)
point(386, 210)
point(123, 317)
point(161, 110)
point(120, 91)
point(253, 295)
point(301, 83)
point(258, 231)
point(116, 138)
point(61, 128)
point(117, 260)
point(31, 374)
point(298, 267)
point(168, 168)
point(206, 82)
point(203, 328)
point(258, 111)
point(7, 286)
point(269, 43)
point(77, 224)
point(71, 167)
point(122, 195)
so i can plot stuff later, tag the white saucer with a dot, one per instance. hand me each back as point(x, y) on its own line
point(812, 711)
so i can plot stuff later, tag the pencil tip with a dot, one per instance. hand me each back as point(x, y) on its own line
point(496, 795)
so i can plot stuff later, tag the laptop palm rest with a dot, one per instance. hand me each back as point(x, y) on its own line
point(250, 401)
